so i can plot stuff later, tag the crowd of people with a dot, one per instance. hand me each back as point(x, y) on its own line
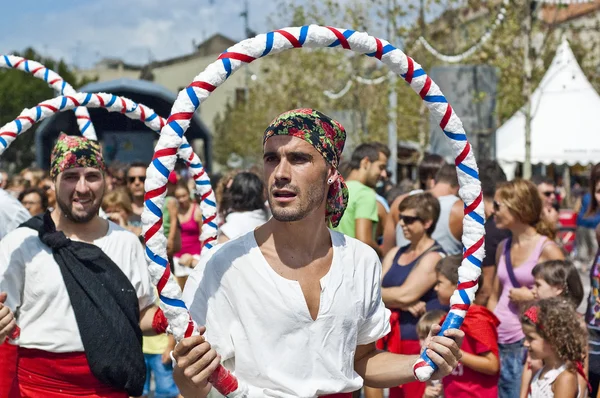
point(293, 301)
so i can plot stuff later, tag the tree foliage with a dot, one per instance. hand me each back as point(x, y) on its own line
point(298, 78)
point(20, 90)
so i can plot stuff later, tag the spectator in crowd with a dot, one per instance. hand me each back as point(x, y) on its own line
point(490, 175)
point(190, 221)
point(244, 206)
point(428, 168)
point(47, 186)
point(383, 207)
point(478, 371)
point(367, 165)
point(16, 185)
point(554, 336)
point(547, 189)
point(518, 207)
point(434, 388)
point(448, 230)
point(223, 183)
point(588, 218)
point(117, 206)
point(3, 179)
point(136, 176)
point(33, 176)
point(170, 219)
point(409, 280)
point(592, 319)
point(34, 200)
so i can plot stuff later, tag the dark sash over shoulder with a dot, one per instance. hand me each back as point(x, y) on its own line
point(106, 308)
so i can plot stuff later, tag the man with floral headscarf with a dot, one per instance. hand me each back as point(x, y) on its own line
point(79, 289)
point(294, 308)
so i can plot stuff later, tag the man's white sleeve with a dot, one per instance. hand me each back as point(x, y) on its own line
point(375, 322)
point(209, 306)
point(12, 271)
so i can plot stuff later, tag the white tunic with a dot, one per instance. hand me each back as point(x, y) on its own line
point(38, 295)
point(260, 324)
point(12, 213)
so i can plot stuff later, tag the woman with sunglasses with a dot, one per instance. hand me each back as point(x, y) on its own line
point(409, 279)
point(518, 208)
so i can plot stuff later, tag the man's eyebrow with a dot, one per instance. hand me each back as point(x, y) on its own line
point(270, 153)
point(303, 155)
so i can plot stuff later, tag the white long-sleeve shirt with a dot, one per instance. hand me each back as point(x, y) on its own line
point(260, 324)
point(37, 293)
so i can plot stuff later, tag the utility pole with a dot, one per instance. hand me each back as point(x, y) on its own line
point(527, 66)
point(247, 32)
point(392, 106)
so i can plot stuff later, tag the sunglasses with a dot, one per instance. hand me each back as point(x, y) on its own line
point(132, 179)
point(408, 220)
point(548, 193)
point(496, 206)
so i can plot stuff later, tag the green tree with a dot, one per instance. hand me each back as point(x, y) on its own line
point(20, 90)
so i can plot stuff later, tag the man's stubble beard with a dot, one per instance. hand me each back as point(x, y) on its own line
point(314, 200)
point(68, 213)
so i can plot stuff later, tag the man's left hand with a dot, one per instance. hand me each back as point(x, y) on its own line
point(444, 351)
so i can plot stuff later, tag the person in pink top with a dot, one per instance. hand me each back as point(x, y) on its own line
point(190, 221)
point(517, 208)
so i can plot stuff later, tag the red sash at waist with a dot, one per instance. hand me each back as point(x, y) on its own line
point(42, 374)
point(340, 395)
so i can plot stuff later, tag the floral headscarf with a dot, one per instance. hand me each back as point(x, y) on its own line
point(75, 151)
point(328, 137)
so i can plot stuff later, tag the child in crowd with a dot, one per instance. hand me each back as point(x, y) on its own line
point(560, 279)
point(478, 372)
point(430, 318)
point(553, 334)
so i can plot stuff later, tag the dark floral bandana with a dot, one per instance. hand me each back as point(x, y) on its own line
point(75, 151)
point(328, 137)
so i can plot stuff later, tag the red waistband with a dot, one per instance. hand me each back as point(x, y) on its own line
point(340, 395)
point(42, 374)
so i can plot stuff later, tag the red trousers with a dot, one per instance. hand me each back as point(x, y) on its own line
point(8, 367)
point(42, 374)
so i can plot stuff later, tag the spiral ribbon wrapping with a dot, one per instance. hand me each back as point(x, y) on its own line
point(315, 36)
point(55, 81)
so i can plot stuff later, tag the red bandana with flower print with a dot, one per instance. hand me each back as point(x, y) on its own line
point(328, 137)
point(75, 151)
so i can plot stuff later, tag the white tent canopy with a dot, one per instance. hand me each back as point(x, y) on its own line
point(564, 128)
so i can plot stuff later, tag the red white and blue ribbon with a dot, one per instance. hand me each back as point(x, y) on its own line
point(313, 36)
point(134, 111)
point(57, 83)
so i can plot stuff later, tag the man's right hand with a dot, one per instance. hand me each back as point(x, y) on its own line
point(7, 319)
point(195, 361)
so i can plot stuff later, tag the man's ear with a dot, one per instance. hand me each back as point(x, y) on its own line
point(332, 175)
point(365, 163)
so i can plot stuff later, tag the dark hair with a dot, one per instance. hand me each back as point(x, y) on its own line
point(135, 164)
point(540, 179)
point(39, 192)
point(447, 174)
point(383, 149)
point(594, 179)
point(430, 318)
point(561, 274)
point(429, 167)
point(368, 150)
point(246, 193)
point(490, 175)
point(425, 205)
point(448, 266)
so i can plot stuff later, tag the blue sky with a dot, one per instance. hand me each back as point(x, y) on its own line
point(84, 31)
point(138, 31)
